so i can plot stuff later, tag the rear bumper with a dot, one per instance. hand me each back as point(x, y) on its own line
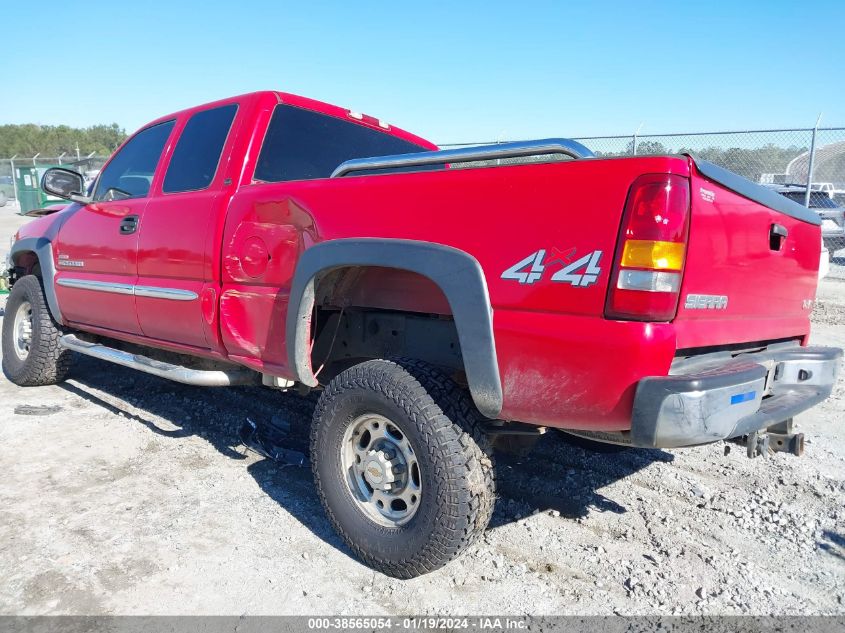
point(732, 398)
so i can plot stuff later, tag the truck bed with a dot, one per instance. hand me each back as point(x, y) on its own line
point(562, 362)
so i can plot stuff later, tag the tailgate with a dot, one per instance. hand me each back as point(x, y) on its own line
point(743, 281)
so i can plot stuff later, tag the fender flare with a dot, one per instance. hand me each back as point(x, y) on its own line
point(457, 273)
point(43, 249)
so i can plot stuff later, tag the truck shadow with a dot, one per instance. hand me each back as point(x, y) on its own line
point(564, 475)
point(561, 475)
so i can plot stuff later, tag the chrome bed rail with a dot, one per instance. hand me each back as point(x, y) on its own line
point(564, 146)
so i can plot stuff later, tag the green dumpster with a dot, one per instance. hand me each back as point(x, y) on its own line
point(30, 196)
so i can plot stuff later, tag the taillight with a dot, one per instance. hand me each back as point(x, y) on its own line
point(646, 278)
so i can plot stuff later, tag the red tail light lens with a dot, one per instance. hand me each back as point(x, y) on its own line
point(651, 250)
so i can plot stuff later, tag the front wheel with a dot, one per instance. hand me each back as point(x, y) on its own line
point(401, 465)
point(32, 355)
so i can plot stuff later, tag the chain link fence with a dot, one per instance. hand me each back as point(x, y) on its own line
point(786, 160)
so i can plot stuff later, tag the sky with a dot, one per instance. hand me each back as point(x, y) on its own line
point(459, 71)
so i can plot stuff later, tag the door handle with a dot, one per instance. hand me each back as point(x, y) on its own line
point(777, 234)
point(129, 225)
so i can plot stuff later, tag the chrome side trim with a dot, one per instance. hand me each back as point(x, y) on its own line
point(176, 294)
point(98, 286)
point(177, 373)
point(564, 146)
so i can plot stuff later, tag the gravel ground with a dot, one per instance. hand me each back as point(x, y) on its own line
point(126, 494)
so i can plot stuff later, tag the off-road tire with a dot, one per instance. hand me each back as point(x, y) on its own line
point(47, 362)
point(454, 456)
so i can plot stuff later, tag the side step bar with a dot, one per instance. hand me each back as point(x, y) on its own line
point(177, 373)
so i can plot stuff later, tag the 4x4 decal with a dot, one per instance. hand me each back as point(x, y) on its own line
point(582, 272)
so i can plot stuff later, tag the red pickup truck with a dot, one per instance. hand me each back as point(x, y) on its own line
point(270, 239)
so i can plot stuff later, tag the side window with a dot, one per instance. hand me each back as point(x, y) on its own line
point(130, 173)
point(301, 144)
point(197, 153)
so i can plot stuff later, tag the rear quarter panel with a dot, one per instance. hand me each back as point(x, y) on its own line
point(561, 362)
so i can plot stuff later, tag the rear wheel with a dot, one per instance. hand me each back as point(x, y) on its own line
point(401, 465)
point(32, 355)
point(382, 469)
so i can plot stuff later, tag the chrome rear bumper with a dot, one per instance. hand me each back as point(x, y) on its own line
point(732, 398)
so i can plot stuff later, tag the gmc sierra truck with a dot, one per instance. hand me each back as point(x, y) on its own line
point(441, 308)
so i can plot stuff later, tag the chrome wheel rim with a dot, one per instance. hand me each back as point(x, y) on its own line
point(381, 470)
point(23, 330)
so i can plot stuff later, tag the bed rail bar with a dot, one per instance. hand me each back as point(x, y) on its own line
point(564, 146)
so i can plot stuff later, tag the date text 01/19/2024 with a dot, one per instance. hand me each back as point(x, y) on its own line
point(426, 623)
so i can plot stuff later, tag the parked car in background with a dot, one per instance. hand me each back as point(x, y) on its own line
point(90, 178)
point(824, 187)
point(832, 215)
point(7, 190)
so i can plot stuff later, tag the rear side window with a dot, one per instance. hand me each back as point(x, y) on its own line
point(130, 173)
point(197, 153)
point(302, 145)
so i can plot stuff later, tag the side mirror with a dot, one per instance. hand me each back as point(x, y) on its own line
point(64, 183)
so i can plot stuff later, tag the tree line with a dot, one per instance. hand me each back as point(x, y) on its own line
point(29, 139)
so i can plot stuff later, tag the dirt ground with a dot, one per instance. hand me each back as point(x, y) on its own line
point(122, 493)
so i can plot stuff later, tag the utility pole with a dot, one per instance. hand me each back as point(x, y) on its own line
point(636, 134)
point(14, 178)
point(812, 161)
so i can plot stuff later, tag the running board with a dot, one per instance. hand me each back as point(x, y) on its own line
point(177, 373)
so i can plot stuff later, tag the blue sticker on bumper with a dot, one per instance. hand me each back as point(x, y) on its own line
point(743, 397)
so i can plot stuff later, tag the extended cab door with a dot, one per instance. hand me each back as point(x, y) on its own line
point(177, 289)
point(97, 247)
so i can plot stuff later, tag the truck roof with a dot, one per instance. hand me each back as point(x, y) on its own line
point(308, 104)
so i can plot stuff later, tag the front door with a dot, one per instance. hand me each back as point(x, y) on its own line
point(98, 245)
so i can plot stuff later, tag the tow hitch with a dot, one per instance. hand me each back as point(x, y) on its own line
point(779, 438)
